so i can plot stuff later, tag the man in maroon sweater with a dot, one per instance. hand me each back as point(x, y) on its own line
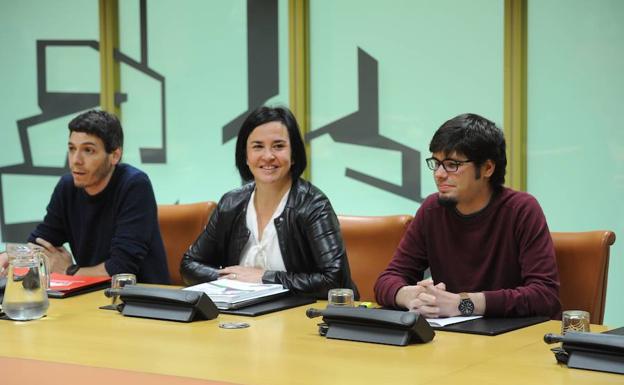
point(488, 247)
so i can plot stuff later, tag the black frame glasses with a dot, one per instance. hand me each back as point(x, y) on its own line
point(449, 165)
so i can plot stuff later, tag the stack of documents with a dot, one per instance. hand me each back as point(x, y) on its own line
point(231, 294)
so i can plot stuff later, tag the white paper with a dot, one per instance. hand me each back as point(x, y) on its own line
point(244, 286)
point(440, 322)
point(228, 291)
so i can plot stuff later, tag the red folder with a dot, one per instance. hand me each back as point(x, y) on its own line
point(62, 285)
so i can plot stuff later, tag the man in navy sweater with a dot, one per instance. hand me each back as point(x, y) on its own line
point(488, 247)
point(104, 209)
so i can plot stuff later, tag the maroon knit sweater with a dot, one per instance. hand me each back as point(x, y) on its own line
point(504, 250)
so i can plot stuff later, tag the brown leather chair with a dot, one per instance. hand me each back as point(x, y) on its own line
point(371, 243)
point(583, 261)
point(180, 226)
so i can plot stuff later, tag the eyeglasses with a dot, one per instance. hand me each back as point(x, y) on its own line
point(449, 165)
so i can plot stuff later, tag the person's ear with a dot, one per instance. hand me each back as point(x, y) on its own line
point(116, 156)
point(488, 168)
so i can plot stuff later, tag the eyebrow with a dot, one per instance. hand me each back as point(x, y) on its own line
point(82, 144)
point(445, 159)
point(275, 141)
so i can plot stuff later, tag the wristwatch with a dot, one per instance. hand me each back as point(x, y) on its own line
point(466, 306)
point(72, 269)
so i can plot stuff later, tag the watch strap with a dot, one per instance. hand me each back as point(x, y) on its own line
point(72, 269)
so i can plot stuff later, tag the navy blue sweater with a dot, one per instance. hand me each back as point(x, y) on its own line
point(118, 226)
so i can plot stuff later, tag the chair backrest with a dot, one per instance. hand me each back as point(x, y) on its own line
point(583, 262)
point(180, 226)
point(371, 243)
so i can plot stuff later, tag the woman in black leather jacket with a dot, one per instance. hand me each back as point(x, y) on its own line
point(278, 228)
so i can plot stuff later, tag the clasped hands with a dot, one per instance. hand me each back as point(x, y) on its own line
point(429, 300)
point(242, 273)
point(58, 257)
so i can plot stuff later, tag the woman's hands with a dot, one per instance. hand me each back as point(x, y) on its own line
point(242, 273)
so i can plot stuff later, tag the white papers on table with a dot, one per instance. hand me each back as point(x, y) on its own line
point(440, 322)
point(229, 291)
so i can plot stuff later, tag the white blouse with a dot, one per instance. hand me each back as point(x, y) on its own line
point(264, 254)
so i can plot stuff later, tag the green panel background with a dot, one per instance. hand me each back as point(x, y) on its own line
point(201, 49)
point(69, 69)
point(575, 136)
point(435, 60)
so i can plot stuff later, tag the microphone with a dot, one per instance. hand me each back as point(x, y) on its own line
point(109, 293)
point(313, 313)
point(551, 338)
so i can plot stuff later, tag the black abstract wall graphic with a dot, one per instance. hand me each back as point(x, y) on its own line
point(362, 128)
point(55, 105)
point(262, 60)
point(148, 155)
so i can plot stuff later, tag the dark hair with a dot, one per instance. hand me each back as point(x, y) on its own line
point(264, 115)
point(102, 124)
point(478, 139)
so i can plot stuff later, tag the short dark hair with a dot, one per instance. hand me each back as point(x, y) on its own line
point(477, 138)
point(102, 124)
point(264, 115)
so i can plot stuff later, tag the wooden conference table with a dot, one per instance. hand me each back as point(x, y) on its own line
point(79, 343)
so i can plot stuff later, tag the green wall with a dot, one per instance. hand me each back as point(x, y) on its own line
point(427, 73)
point(575, 135)
point(201, 50)
point(69, 69)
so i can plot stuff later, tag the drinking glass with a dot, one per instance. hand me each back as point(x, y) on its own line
point(120, 280)
point(340, 297)
point(574, 321)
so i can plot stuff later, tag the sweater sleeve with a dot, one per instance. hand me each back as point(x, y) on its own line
point(133, 227)
point(539, 291)
point(408, 263)
point(53, 228)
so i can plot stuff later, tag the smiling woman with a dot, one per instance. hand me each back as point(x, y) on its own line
point(269, 155)
point(277, 228)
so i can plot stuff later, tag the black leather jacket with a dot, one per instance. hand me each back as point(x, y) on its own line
point(307, 231)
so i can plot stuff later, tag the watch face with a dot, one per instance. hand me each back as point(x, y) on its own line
point(466, 307)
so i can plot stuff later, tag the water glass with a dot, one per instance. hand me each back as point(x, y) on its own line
point(340, 297)
point(120, 280)
point(574, 321)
